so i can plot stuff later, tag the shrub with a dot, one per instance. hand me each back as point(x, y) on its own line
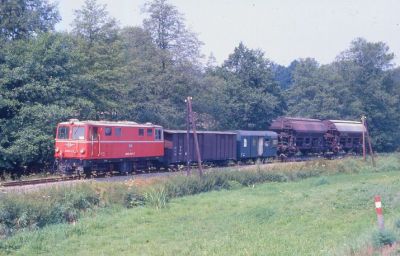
point(38, 209)
point(382, 238)
point(133, 199)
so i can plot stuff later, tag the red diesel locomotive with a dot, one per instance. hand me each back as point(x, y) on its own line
point(102, 145)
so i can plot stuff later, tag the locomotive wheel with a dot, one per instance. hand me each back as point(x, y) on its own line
point(87, 172)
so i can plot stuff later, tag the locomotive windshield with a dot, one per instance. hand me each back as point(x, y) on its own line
point(63, 132)
point(78, 133)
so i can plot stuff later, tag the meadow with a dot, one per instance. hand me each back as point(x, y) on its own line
point(327, 210)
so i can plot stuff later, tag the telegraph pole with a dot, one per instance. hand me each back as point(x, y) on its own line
point(196, 142)
point(363, 137)
point(187, 138)
point(369, 143)
point(366, 134)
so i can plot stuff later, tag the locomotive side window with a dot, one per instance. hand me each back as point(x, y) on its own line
point(108, 131)
point(118, 131)
point(348, 140)
point(63, 132)
point(78, 133)
point(307, 141)
point(158, 134)
point(149, 132)
point(141, 132)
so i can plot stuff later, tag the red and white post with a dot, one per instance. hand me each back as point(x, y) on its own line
point(379, 213)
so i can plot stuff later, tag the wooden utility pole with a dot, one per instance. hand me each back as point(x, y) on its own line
point(369, 143)
point(187, 138)
point(363, 138)
point(366, 134)
point(196, 142)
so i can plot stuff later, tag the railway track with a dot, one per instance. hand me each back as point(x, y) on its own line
point(37, 181)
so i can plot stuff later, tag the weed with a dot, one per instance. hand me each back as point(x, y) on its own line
point(321, 181)
point(156, 197)
point(233, 184)
point(133, 199)
point(382, 238)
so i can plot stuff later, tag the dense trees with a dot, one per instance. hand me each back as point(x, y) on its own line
point(102, 71)
point(252, 94)
point(36, 75)
point(23, 19)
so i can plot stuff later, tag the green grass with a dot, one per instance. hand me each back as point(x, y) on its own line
point(329, 215)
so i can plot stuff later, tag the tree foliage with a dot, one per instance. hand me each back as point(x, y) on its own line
point(167, 28)
point(252, 95)
point(37, 90)
point(21, 19)
point(103, 71)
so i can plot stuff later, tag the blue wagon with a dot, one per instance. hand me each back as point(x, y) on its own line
point(252, 145)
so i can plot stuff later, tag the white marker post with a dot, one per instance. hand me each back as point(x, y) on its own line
point(379, 213)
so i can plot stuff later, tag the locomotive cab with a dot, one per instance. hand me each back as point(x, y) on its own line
point(71, 140)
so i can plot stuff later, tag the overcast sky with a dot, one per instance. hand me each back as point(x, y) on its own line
point(284, 29)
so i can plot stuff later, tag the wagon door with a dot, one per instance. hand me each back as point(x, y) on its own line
point(260, 149)
point(95, 142)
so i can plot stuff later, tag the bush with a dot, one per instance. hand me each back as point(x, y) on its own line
point(382, 238)
point(38, 209)
point(133, 199)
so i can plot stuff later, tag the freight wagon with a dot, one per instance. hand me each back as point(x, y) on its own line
point(256, 145)
point(299, 135)
point(215, 146)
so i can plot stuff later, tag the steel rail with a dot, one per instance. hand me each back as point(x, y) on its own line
point(37, 181)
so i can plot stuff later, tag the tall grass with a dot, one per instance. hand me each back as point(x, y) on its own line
point(30, 211)
point(34, 210)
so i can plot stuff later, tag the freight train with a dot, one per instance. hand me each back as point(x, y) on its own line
point(86, 146)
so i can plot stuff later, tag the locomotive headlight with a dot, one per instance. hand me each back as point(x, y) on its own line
point(82, 151)
point(57, 150)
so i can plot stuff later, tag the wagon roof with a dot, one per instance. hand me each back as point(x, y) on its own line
point(109, 123)
point(347, 126)
point(200, 132)
point(299, 124)
point(256, 133)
